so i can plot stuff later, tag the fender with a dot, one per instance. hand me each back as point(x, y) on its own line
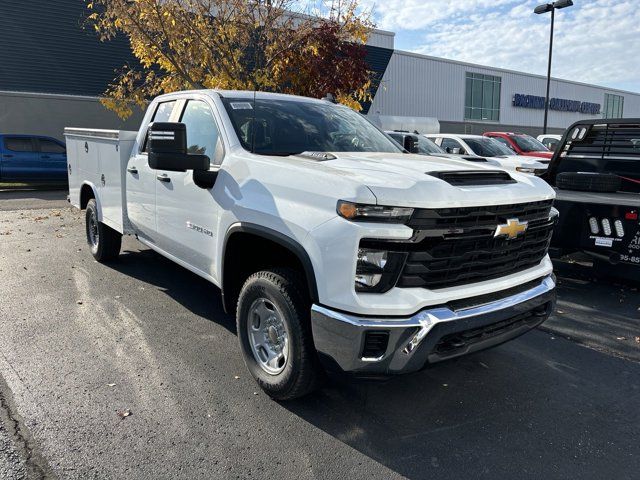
point(95, 196)
point(279, 238)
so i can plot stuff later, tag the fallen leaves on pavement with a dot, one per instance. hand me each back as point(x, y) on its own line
point(124, 413)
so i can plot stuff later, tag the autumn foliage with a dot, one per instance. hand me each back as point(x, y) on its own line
point(269, 45)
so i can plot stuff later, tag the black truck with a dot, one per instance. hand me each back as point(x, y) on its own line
point(596, 173)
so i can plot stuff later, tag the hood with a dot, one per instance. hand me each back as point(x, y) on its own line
point(403, 180)
point(510, 162)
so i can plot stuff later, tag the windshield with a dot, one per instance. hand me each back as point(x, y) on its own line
point(286, 127)
point(528, 144)
point(488, 147)
point(426, 146)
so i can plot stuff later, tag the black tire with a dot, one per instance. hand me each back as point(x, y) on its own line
point(104, 242)
point(283, 289)
point(588, 182)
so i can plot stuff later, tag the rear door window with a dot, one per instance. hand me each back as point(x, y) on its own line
point(162, 114)
point(19, 144)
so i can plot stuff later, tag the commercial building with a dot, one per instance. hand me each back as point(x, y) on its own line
point(469, 98)
point(53, 70)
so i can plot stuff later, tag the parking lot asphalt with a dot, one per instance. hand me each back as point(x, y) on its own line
point(32, 198)
point(83, 344)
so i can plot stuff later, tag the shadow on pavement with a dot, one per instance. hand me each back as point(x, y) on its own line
point(601, 312)
point(193, 292)
point(537, 407)
point(33, 199)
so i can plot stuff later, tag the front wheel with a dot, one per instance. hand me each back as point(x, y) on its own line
point(104, 242)
point(274, 331)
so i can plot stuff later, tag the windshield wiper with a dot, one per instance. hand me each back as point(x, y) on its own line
point(278, 154)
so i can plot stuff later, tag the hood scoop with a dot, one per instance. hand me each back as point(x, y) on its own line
point(473, 178)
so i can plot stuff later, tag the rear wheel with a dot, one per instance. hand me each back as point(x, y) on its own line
point(274, 331)
point(104, 242)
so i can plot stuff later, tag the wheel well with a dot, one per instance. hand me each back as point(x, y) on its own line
point(86, 194)
point(248, 252)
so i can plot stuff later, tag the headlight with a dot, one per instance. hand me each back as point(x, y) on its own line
point(377, 270)
point(373, 213)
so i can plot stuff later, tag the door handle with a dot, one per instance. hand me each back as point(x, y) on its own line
point(46, 156)
point(7, 156)
point(133, 170)
point(163, 178)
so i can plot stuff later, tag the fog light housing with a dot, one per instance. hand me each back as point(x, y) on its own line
point(377, 270)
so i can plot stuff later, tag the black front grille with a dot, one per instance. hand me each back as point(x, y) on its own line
point(474, 177)
point(457, 245)
point(483, 217)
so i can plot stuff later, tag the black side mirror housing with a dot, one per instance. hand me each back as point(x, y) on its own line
point(410, 144)
point(167, 148)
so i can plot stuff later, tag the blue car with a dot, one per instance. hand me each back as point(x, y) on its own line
point(32, 158)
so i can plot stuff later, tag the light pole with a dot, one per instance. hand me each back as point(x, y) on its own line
point(544, 8)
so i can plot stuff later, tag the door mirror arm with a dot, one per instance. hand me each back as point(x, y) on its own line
point(206, 178)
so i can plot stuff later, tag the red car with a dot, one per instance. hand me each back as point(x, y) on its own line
point(522, 144)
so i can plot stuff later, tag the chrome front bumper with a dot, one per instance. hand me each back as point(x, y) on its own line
point(431, 335)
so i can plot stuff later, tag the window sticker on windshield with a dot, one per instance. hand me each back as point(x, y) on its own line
point(241, 105)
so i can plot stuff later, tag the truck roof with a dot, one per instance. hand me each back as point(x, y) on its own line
point(248, 94)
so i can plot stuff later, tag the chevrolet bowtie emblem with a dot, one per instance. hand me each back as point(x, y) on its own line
point(511, 229)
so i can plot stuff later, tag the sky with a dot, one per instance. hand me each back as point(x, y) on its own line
point(595, 41)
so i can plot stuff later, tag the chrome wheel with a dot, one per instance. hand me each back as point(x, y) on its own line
point(268, 336)
point(92, 231)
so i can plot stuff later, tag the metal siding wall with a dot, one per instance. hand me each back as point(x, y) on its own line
point(415, 85)
point(381, 38)
point(377, 59)
point(42, 114)
point(45, 49)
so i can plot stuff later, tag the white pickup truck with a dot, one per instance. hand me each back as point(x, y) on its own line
point(334, 249)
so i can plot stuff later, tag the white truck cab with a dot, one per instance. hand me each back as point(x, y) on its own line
point(334, 250)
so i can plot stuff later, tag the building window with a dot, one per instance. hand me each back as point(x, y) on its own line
point(482, 97)
point(613, 105)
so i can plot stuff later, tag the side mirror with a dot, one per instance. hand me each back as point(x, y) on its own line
point(167, 147)
point(410, 144)
point(456, 151)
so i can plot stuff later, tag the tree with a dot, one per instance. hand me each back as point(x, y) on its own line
point(236, 44)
